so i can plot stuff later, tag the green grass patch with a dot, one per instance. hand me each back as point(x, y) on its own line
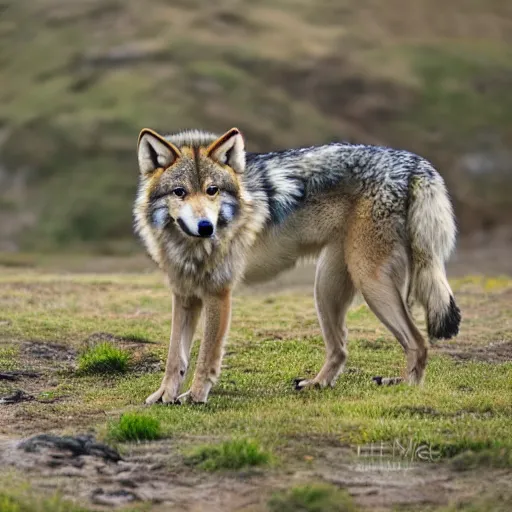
point(103, 358)
point(135, 427)
point(26, 503)
point(312, 498)
point(233, 454)
point(9, 357)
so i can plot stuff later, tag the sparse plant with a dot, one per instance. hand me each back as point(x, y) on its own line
point(135, 427)
point(103, 358)
point(312, 498)
point(233, 454)
point(24, 502)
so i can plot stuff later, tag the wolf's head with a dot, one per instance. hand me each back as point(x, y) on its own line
point(192, 180)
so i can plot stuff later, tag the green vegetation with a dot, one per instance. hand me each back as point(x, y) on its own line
point(135, 427)
point(312, 498)
point(234, 454)
point(464, 404)
point(461, 417)
point(28, 503)
point(103, 358)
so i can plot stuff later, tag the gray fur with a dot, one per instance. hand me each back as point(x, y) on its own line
point(290, 177)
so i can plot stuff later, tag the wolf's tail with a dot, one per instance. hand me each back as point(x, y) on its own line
point(432, 233)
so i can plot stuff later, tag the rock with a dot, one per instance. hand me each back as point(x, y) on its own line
point(77, 446)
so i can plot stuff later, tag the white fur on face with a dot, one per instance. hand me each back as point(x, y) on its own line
point(191, 220)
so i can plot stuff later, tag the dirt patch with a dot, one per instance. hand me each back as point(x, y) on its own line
point(94, 473)
point(69, 446)
point(146, 363)
point(495, 352)
point(91, 472)
point(16, 397)
point(17, 375)
point(41, 366)
point(99, 337)
point(36, 350)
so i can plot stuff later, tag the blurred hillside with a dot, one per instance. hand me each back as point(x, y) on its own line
point(79, 79)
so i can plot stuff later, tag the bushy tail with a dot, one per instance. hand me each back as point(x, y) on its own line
point(432, 233)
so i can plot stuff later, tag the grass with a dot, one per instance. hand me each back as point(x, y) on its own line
point(232, 455)
point(462, 413)
point(134, 427)
point(25, 503)
point(103, 358)
point(464, 404)
point(312, 498)
point(18, 497)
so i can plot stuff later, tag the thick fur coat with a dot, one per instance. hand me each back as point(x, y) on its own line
point(211, 215)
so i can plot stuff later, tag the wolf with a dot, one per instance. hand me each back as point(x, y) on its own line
point(211, 215)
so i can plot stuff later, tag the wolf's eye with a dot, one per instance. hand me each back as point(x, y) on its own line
point(212, 190)
point(180, 192)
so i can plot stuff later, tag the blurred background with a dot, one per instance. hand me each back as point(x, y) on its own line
point(79, 79)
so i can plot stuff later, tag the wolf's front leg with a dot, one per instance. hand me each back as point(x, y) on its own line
point(217, 319)
point(185, 314)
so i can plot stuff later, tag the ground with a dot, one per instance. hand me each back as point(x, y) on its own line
point(446, 444)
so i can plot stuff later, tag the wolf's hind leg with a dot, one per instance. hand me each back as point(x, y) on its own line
point(334, 292)
point(383, 292)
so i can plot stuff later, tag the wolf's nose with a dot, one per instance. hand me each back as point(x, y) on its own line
point(205, 228)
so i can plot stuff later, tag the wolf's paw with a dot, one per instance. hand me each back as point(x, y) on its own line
point(189, 398)
point(160, 395)
point(387, 381)
point(300, 384)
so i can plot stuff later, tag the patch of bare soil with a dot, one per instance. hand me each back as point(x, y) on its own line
point(43, 353)
point(87, 471)
point(91, 472)
point(39, 364)
point(41, 367)
point(107, 336)
point(495, 352)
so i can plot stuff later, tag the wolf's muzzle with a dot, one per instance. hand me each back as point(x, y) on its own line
point(205, 228)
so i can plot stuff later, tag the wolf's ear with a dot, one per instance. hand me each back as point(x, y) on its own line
point(154, 151)
point(229, 150)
